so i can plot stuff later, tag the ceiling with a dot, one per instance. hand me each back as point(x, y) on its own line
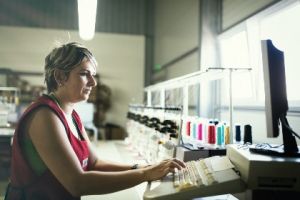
point(117, 16)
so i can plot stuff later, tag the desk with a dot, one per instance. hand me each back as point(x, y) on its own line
point(268, 177)
point(116, 150)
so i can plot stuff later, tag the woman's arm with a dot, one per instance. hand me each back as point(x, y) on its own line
point(97, 164)
point(103, 165)
point(48, 136)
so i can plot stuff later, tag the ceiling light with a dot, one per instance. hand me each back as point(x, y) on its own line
point(87, 10)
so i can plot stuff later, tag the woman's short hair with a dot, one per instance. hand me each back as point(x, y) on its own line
point(65, 58)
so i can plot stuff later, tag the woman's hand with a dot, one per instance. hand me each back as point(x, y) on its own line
point(157, 171)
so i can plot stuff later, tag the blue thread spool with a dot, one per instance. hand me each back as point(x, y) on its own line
point(248, 134)
point(237, 133)
point(222, 134)
point(219, 135)
point(194, 130)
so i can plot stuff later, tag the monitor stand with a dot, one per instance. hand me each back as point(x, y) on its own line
point(274, 152)
point(290, 148)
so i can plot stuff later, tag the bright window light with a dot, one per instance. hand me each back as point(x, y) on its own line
point(235, 53)
point(240, 47)
point(281, 29)
point(87, 18)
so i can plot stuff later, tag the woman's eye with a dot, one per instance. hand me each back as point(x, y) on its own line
point(84, 74)
point(87, 74)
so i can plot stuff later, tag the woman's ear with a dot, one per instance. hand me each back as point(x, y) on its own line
point(60, 77)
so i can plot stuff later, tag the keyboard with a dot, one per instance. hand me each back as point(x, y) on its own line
point(205, 177)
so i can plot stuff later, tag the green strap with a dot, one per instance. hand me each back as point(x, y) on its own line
point(33, 157)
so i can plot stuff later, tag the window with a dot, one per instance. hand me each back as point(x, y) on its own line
point(281, 27)
point(234, 52)
point(240, 47)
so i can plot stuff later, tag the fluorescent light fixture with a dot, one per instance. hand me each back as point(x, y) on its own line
point(87, 10)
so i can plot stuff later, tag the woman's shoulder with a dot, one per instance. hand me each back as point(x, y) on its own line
point(40, 114)
point(43, 104)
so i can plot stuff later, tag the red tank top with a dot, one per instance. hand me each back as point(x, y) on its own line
point(25, 184)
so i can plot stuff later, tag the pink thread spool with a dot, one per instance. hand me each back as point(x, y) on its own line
point(200, 134)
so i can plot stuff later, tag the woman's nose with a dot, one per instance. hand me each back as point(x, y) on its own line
point(92, 81)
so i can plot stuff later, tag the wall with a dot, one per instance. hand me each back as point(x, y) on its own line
point(120, 58)
point(235, 11)
point(175, 33)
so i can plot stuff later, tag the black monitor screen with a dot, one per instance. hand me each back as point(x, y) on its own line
point(276, 103)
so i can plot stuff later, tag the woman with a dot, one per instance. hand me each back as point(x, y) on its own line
point(52, 155)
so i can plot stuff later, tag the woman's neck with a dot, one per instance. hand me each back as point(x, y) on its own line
point(62, 103)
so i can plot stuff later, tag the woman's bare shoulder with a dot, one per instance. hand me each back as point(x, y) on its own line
point(43, 120)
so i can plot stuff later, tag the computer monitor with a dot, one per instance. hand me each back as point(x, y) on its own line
point(276, 103)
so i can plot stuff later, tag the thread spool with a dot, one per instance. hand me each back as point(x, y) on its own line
point(223, 134)
point(227, 135)
point(247, 134)
point(200, 134)
point(194, 124)
point(237, 133)
point(211, 136)
point(188, 128)
point(219, 135)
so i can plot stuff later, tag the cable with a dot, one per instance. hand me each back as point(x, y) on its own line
point(294, 133)
point(286, 125)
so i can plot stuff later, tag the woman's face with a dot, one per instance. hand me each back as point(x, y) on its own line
point(80, 82)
